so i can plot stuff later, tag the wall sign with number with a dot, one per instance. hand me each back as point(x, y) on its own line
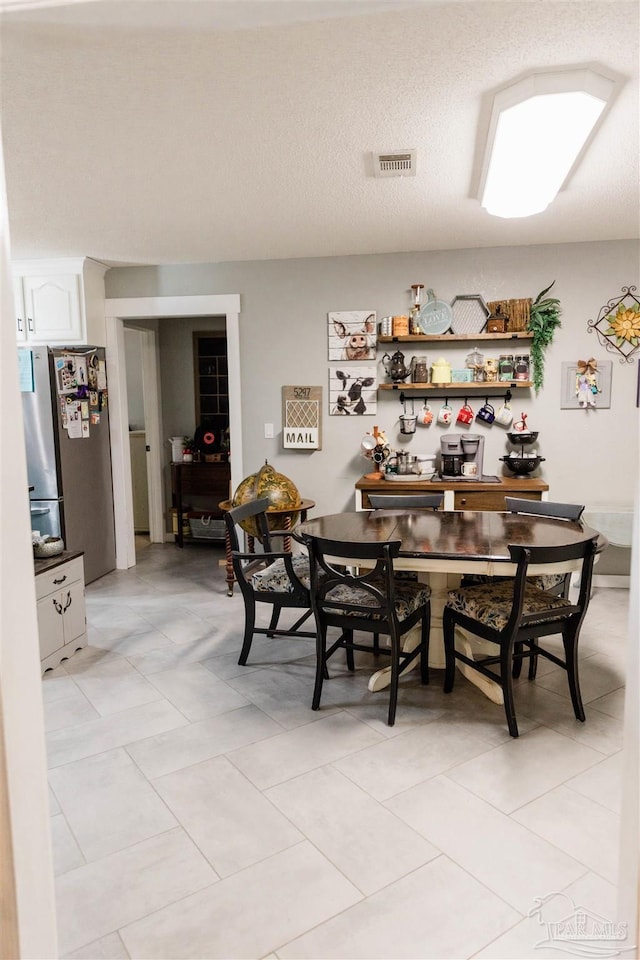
point(302, 418)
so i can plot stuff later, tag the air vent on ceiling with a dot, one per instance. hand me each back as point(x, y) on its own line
point(399, 164)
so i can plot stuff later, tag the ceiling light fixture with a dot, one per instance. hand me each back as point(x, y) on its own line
point(538, 129)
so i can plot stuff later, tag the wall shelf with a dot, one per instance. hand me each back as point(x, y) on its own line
point(473, 387)
point(459, 337)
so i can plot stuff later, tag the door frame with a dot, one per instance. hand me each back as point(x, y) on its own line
point(117, 311)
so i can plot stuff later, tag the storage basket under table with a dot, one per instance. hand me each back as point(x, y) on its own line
point(205, 527)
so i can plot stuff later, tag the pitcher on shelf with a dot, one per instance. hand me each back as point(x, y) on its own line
point(395, 367)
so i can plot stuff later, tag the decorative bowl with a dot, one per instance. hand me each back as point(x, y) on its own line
point(49, 547)
point(527, 437)
point(522, 465)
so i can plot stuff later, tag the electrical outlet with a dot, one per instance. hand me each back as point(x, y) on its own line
point(268, 431)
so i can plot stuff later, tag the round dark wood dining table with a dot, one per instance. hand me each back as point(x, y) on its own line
point(442, 545)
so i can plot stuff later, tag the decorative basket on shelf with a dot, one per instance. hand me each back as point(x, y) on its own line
point(517, 312)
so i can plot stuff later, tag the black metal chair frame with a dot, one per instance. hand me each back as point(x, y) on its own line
point(245, 565)
point(410, 501)
point(373, 573)
point(557, 511)
point(519, 638)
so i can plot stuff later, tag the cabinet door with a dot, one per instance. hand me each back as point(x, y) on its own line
point(138, 448)
point(73, 612)
point(18, 305)
point(50, 624)
point(54, 312)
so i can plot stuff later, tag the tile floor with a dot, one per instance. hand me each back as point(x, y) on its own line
point(200, 809)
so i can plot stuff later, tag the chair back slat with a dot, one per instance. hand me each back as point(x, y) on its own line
point(545, 508)
point(254, 508)
point(553, 554)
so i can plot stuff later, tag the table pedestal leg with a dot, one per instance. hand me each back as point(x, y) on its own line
point(440, 584)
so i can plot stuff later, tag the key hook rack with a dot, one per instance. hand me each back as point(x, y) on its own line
point(506, 396)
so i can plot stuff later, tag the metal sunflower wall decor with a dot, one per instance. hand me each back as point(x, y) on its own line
point(618, 324)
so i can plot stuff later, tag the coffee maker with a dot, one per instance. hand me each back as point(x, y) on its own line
point(461, 456)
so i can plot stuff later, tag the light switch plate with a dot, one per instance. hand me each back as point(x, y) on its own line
point(268, 431)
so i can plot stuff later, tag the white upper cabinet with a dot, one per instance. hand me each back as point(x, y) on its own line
point(59, 301)
point(21, 313)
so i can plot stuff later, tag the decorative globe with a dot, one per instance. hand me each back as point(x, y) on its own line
point(281, 492)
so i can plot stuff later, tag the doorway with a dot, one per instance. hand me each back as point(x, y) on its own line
point(138, 446)
point(118, 312)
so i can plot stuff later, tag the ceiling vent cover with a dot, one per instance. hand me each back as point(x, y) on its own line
point(402, 163)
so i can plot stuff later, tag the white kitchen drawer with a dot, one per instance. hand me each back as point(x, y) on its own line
point(59, 577)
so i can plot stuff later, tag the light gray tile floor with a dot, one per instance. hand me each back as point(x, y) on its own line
point(201, 809)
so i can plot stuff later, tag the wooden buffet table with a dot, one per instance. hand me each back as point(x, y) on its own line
point(458, 494)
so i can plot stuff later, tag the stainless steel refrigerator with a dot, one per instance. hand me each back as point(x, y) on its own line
point(69, 466)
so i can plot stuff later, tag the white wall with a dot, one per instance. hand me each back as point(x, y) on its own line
point(591, 457)
point(21, 710)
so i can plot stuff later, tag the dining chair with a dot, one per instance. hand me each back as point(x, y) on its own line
point(514, 614)
point(558, 583)
point(410, 501)
point(278, 578)
point(354, 587)
point(554, 582)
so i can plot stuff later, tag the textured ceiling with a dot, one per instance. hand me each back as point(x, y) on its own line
point(152, 132)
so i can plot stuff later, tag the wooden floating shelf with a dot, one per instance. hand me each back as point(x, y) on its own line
point(453, 337)
point(465, 387)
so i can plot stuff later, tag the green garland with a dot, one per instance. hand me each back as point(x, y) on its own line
point(544, 318)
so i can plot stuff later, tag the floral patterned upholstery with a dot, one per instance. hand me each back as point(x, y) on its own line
point(410, 595)
point(275, 579)
point(546, 581)
point(491, 603)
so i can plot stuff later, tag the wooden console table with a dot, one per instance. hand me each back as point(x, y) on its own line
point(286, 518)
point(208, 482)
point(458, 494)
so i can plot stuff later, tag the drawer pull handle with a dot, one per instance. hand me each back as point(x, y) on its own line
point(61, 580)
point(463, 500)
point(68, 603)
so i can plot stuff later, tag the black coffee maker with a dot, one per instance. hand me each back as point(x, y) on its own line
point(461, 456)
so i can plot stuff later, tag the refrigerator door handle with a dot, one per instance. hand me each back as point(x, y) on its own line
point(39, 511)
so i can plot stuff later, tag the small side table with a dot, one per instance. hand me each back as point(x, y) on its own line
point(285, 523)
